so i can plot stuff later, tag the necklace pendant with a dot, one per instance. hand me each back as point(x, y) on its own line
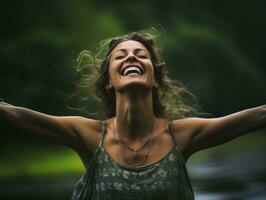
point(136, 157)
point(136, 160)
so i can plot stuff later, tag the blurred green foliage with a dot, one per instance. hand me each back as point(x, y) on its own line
point(215, 48)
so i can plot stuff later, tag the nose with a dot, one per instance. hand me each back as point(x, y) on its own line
point(131, 58)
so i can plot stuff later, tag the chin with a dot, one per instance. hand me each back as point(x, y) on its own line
point(135, 86)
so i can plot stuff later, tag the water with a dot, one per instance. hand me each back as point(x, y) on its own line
point(241, 176)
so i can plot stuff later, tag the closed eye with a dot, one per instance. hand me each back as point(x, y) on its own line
point(139, 56)
point(119, 57)
point(142, 56)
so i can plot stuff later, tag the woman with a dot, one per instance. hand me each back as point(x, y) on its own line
point(136, 153)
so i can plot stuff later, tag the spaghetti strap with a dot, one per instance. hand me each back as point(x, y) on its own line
point(170, 128)
point(102, 133)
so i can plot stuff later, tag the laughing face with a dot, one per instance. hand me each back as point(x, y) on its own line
point(131, 67)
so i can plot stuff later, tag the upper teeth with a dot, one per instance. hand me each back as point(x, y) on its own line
point(131, 68)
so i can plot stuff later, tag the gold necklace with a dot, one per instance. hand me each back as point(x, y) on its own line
point(135, 156)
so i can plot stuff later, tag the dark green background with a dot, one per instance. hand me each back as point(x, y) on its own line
point(215, 48)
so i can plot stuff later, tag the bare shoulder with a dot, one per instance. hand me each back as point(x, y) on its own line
point(85, 123)
point(88, 131)
point(184, 130)
point(180, 128)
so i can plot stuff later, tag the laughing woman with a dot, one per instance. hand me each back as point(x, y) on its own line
point(136, 152)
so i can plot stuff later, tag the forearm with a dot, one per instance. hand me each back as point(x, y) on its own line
point(240, 123)
point(217, 131)
point(23, 119)
point(60, 130)
point(8, 116)
point(264, 118)
point(249, 120)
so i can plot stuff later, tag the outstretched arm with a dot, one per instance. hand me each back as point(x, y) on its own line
point(77, 133)
point(196, 134)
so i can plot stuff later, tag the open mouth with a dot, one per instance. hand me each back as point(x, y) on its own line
point(132, 69)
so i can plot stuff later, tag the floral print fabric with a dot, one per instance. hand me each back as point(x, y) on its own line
point(106, 179)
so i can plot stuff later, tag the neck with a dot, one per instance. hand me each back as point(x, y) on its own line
point(134, 116)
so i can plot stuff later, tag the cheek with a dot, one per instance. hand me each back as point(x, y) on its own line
point(112, 73)
point(111, 70)
point(113, 66)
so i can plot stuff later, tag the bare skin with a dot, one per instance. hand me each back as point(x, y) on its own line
point(134, 113)
point(134, 118)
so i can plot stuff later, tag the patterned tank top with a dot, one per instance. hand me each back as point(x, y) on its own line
point(106, 179)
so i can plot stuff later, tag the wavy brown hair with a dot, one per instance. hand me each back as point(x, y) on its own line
point(170, 98)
